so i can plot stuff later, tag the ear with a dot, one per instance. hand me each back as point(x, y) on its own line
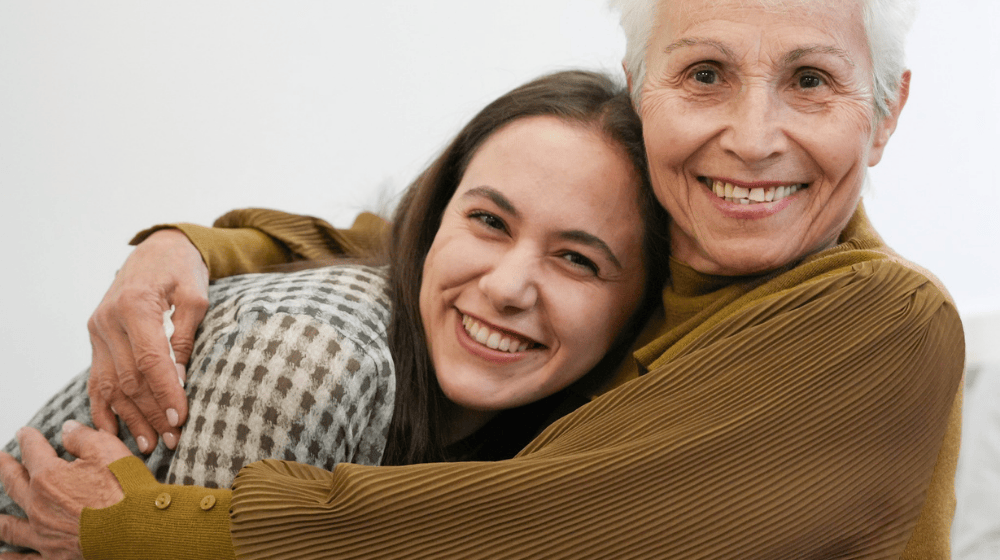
point(628, 76)
point(887, 125)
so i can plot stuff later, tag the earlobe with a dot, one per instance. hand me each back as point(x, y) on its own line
point(887, 124)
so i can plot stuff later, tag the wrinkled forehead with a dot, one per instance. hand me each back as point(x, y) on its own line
point(777, 22)
point(807, 10)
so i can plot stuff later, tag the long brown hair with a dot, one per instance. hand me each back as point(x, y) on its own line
point(581, 97)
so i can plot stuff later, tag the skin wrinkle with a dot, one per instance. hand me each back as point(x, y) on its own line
point(727, 99)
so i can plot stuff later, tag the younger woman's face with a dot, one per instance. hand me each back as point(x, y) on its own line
point(536, 267)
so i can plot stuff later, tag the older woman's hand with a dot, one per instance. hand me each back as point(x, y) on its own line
point(132, 374)
point(54, 492)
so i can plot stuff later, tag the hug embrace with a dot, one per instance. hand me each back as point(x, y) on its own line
point(618, 321)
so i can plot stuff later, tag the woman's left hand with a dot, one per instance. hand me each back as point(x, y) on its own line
point(53, 492)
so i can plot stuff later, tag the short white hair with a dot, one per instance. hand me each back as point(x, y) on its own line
point(886, 24)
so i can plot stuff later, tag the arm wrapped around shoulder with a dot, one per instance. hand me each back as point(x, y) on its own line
point(806, 424)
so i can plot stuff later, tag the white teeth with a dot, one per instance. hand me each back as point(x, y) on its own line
point(492, 339)
point(482, 335)
point(745, 195)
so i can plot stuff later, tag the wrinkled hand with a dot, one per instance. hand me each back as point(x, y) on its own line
point(132, 374)
point(53, 492)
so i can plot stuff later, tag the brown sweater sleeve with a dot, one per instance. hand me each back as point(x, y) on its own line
point(254, 239)
point(806, 426)
point(157, 520)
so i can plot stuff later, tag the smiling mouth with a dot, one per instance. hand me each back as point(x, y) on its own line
point(497, 339)
point(751, 195)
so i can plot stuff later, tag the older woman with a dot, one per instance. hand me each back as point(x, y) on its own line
point(791, 400)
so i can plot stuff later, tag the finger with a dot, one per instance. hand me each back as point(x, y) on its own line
point(123, 407)
point(157, 371)
point(144, 433)
point(37, 453)
point(99, 392)
point(144, 413)
point(19, 556)
point(15, 480)
point(16, 531)
point(190, 310)
point(138, 406)
point(90, 444)
point(98, 388)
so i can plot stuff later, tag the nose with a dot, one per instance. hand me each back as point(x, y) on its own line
point(510, 284)
point(754, 133)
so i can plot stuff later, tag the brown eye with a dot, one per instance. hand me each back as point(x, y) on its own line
point(706, 76)
point(489, 220)
point(583, 262)
point(809, 81)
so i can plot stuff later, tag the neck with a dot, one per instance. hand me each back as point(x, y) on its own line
point(461, 422)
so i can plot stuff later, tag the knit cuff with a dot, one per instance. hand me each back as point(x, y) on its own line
point(156, 520)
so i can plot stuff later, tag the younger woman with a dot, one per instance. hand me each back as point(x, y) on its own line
point(523, 259)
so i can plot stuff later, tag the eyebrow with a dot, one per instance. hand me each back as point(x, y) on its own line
point(695, 41)
point(591, 240)
point(789, 59)
point(494, 195)
point(801, 52)
point(577, 235)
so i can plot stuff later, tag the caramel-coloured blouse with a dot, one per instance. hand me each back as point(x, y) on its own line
point(795, 415)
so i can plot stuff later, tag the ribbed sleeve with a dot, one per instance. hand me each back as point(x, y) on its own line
point(311, 238)
point(256, 240)
point(805, 425)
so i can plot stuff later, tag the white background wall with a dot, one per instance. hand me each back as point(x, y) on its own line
point(115, 115)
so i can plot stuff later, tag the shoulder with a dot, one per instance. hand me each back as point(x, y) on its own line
point(350, 297)
point(340, 310)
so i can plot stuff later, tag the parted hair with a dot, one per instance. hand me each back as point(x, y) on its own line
point(579, 97)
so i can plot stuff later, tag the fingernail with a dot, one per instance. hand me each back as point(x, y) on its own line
point(70, 425)
point(113, 410)
point(173, 418)
point(181, 374)
point(143, 443)
point(170, 439)
point(20, 432)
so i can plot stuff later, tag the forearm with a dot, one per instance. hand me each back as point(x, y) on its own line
point(229, 251)
point(254, 240)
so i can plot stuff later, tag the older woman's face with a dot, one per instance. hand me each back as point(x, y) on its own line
point(759, 124)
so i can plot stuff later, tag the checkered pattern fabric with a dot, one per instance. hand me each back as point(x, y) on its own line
point(287, 365)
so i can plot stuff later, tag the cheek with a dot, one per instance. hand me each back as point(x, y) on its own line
point(840, 142)
point(430, 286)
point(597, 319)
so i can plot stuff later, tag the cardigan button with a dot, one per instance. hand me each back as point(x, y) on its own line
point(163, 501)
point(208, 502)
